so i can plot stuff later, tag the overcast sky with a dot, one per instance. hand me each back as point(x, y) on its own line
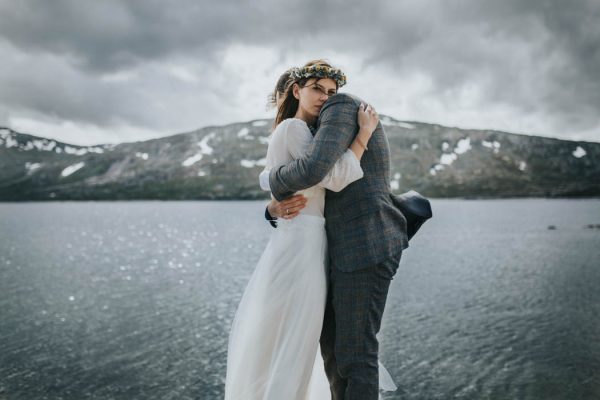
point(90, 72)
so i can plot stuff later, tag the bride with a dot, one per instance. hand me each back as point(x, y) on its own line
point(273, 350)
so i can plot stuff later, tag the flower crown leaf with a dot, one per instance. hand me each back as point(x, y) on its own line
point(319, 71)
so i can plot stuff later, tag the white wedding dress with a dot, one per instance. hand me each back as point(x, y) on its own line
point(273, 350)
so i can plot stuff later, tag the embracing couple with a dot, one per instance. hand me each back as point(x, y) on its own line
point(306, 325)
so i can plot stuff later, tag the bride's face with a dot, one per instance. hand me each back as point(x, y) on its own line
point(314, 93)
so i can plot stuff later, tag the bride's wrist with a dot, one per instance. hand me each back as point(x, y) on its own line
point(361, 142)
point(364, 134)
point(271, 209)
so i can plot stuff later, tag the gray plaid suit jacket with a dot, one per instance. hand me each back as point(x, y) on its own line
point(364, 226)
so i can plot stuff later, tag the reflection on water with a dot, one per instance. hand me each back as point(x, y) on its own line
point(133, 300)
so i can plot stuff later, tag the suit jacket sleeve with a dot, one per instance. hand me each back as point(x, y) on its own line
point(297, 141)
point(338, 126)
point(272, 220)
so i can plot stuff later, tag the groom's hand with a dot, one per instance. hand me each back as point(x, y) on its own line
point(288, 208)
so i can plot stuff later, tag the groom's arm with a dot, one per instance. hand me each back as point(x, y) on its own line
point(338, 126)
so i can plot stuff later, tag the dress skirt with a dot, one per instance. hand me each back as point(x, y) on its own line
point(274, 338)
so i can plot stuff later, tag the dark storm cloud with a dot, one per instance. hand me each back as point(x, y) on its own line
point(535, 57)
point(551, 60)
point(111, 35)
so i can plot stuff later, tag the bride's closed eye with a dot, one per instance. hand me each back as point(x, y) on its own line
point(322, 90)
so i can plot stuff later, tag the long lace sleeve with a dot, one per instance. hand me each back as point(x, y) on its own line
point(263, 179)
point(277, 154)
point(345, 171)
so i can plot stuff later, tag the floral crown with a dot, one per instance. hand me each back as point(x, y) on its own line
point(319, 71)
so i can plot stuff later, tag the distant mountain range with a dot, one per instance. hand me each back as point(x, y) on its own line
point(223, 162)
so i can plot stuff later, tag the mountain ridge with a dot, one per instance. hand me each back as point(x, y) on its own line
point(223, 162)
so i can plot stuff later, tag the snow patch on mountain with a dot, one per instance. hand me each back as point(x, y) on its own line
point(253, 163)
point(10, 141)
point(388, 121)
point(448, 159)
point(579, 152)
point(405, 125)
point(30, 167)
point(8, 138)
point(204, 147)
point(491, 145)
point(72, 168)
point(463, 146)
point(83, 150)
point(437, 167)
point(188, 162)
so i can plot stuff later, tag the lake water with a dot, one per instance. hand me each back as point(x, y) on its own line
point(133, 300)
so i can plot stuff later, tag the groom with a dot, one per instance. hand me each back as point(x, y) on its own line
point(366, 235)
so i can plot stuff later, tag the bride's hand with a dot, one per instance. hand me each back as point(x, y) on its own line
point(367, 118)
point(288, 208)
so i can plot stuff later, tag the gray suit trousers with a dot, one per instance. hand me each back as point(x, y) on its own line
point(355, 305)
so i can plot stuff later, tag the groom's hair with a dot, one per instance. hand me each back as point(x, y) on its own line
point(289, 105)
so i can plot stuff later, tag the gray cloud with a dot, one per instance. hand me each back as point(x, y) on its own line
point(164, 67)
